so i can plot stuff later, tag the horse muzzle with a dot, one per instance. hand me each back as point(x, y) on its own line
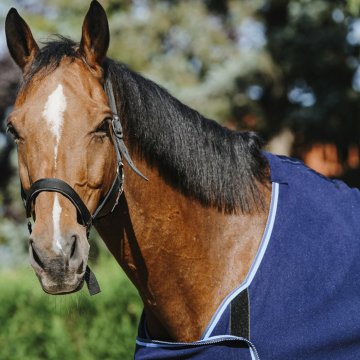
point(61, 271)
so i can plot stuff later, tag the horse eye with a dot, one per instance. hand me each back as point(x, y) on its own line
point(11, 130)
point(103, 128)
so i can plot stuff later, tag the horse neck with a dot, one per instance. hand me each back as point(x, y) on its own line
point(183, 258)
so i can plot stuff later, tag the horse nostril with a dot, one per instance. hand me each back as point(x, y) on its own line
point(35, 255)
point(80, 268)
point(73, 246)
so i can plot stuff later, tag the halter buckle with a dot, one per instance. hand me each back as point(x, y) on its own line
point(116, 126)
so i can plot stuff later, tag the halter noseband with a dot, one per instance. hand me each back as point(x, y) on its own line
point(60, 186)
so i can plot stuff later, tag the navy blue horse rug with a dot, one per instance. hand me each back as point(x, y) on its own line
point(301, 297)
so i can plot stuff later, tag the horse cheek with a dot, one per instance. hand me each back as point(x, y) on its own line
point(98, 165)
point(23, 168)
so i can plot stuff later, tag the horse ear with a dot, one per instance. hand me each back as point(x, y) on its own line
point(22, 46)
point(95, 35)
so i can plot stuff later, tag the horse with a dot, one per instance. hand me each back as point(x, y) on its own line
point(236, 253)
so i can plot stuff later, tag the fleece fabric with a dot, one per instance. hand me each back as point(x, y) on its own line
point(302, 292)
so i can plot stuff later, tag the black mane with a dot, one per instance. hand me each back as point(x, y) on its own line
point(205, 161)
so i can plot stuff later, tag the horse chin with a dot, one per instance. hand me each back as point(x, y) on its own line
point(61, 287)
point(60, 290)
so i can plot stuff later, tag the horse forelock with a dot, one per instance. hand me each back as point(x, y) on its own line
point(49, 57)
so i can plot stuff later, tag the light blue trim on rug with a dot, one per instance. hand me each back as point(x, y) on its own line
point(254, 266)
point(166, 344)
point(210, 341)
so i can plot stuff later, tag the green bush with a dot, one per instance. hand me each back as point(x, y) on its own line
point(34, 325)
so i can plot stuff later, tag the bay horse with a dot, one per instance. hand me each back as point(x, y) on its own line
point(236, 253)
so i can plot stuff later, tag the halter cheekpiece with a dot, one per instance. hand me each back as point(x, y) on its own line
point(84, 217)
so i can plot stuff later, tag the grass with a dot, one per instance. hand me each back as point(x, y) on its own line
point(34, 325)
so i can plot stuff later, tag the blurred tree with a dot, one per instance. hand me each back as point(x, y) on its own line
point(9, 78)
point(315, 89)
point(311, 45)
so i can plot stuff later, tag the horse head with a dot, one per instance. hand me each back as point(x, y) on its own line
point(208, 184)
point(61, 123)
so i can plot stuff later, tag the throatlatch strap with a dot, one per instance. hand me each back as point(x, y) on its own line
point(240, 315)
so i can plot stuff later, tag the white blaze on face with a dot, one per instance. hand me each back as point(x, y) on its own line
point(56, 224)
point(54, 115)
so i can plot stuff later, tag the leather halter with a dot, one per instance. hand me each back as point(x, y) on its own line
point(60, 186)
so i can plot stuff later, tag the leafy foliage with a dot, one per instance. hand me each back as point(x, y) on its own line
point(38, 326)
point(315, 48)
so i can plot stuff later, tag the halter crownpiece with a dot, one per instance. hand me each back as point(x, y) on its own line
point(84, 217)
